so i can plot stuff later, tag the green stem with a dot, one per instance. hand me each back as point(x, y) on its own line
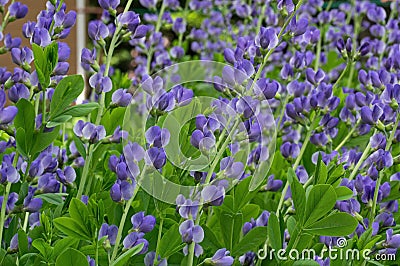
point(3, 209)
point(337, 83)
point(85, 172)
point(381, 175)
point(159, 238)
point(4, 203)
point(363, 157)
point(110, 53)
point(6, 17)
point(261, 18)
point(296, 164)
point(44, 108)
point(122, 224)
point(26, 220)
point(348, 136)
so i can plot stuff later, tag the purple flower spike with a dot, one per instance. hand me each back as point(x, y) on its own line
point(221, 258)
point(266, 38)
point(18, 10)
point(143, 223)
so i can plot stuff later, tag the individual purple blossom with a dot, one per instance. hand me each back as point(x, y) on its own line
point(8, 173)
point(150, 4)
point(22, 56)
point(156, 157)
point(89, 131)
point(17, 92)
point(392, 241)
point(10, 42)
point(64, 20)
point(290, 150)
point(109, 4)
point(18, 10)
point(97, 30)
point(88, 58)
point(157, 137)
point(213, 195)
point(273, 184)
point(134, 239)
point(110, 231)
point(118, 135)
point(142, 223)
point(192, 233)
point(48, 184)
point(32, 204)
point(376, 14)
point(221, 258)
point(298, 27)
point(121, 97)
point(149, 260)
point(122, 190)
point(41, 37)
point(66, 176)
point(100, 83)
point(182, 95)
point(378, 141)
point(248, 259)
point(12, 199)
point(186, 207)
point(179, 26)
point(266, 38)
point(230, 168)
point(369, 116)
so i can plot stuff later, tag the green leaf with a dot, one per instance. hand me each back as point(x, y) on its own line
point(59, 120)
point(43, 247)
point(337, 224)
point(71, 228)
point(343, 193)
point(51, 54)
point(42, 140)
point(321, 172)
point(25, 119)
point(67, 90)
point(71, 257)
point(305, 263)
point(251, 241)
point(298, 194)
point(321, 200)
point(20, 138)
point(80, 213)
point(124, 258)
point(81, 109)
point(22, 242)
point(210, 239)
point(40, 65)
point(51, 198)
point(274, 232)
point(63, 244)
point(170, 241)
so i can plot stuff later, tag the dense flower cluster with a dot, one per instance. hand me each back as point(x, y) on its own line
point(320, 82)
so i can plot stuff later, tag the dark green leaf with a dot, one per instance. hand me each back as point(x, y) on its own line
point(22, 242)
point(124, 258)
point(71, 257)
point(71, 228)
point(25, 119)
point(63, 244)
point(170, 241)
point(321, 200)
point(44, 248)
point(67, 90)
point(81, 109)
point(274, 232)
point(251, 241)
point(42, 140)
point(343, 193)
point(321, 172)
point(337, 224)
point(55, 198)
point(59, 120)
point(298, 194)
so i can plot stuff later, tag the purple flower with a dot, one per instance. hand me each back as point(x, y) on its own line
point(134, 239)
point(12, 199)
point(157, 137)
point(150, 4)
point(89, 131)
point(221, 258)
point(156, 157)
point(100, 83)
point(290, 150)
point(272, 184)
point(18, 10)
point(66, 176)
point(97, 30)
point(121, 98)
point(65, 21)
point(376, 14)
point(230, 168)
point(122, 190)
point(378, 141)
point(32, 204)
point(17, 92)
point(192, 233)
point(213, 195)
point(109, 4)
point(266, 38)
point(392, 241)
point(41, 37)
point(186, 207)
point(182, 95)
point(110, 231)
point(8, 173)
point(369, 116)
point(88, 58)
point(298, 27)
point(22, 56)
point(10, 42)
point(179, 26)
point(143, 223)
point(149, 260)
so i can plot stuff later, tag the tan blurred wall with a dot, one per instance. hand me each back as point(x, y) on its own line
point(15, 28)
